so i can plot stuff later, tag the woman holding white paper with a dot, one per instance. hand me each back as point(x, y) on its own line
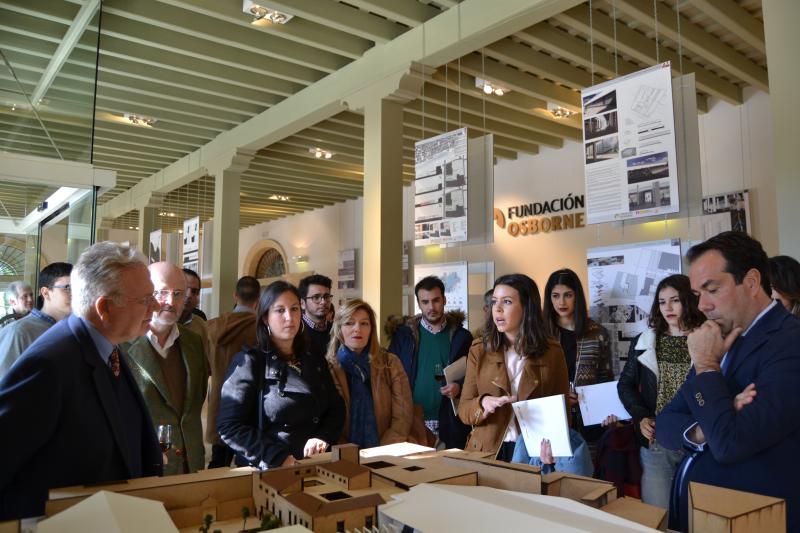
point(514, 360)
point(585, 342)
point(658, 362)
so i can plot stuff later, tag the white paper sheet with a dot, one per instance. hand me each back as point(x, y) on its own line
point(544, 418)
point(454, 372)
point(599, 401)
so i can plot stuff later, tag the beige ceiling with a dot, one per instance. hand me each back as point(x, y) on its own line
point(200, 68)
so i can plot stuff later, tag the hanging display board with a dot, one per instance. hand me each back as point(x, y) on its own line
point(622, 285)
point(726, 212)
point(191, 243)
point(630, 162)
point(440, 189)
point(456, 286)
point(154, 253)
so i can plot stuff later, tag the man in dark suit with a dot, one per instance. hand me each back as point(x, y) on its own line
point(748, 343)
point(70, 412)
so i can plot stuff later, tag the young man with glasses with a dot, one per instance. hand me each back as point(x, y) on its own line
point(317, 301)
point(54, 289)
point(170, 368)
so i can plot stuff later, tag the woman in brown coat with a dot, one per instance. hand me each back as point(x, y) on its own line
point(514, 360)
point(371, 380)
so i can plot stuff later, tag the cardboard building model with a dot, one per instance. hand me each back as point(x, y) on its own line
point(717, 510)
point(349, 490)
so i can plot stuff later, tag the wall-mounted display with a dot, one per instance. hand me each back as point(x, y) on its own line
point(456, 286)
point(347, 269)
point(622, 285)
point(726, 212)
point(440, 189)
point(630, 164)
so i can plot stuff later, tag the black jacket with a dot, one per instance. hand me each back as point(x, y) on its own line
point(638, 386)
point(405, 344)
point(268, 411)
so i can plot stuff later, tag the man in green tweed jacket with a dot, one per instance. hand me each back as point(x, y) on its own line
point(171, 371)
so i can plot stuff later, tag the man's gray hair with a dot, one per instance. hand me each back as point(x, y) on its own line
point(97, 273)
point(15, 288)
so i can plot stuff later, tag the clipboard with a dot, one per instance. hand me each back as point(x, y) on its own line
point(455, 372)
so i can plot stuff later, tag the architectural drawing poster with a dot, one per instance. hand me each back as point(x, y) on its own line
point(191, 243)
point(154, 252)
point(622, 285)
point(629, 143)
point(456, 287)
point(726, 212)
point(347, 269)
point(440, 189)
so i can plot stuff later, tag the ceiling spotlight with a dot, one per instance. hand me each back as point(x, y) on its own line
point(319, 153)
point(139, 120)
point(489, 87)
point(558, 111)
point(263, 14)
point(280, 197)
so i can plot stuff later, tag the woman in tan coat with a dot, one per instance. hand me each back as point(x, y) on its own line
point(371, 380)
point(514, 360)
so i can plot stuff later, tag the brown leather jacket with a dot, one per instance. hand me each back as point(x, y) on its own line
point(542, 376)
point(391, 397)
point(228, 334)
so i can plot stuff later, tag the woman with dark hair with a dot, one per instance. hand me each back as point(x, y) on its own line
point(278, 403)
point(377, 396)
point(517, 361)
point(658, 362)
point(585, 342)
point(784, 275)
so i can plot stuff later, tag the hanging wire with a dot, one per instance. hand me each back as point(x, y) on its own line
point(655, 26)
point(680, 40)
point(616, 53)
point(446, 106)
point(591, 43)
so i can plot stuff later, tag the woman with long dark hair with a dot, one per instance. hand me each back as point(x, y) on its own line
point(585, 342)
point(515, 360)
point(658, 362)
point(784, 276)
point(278, 403)
point(371, 381)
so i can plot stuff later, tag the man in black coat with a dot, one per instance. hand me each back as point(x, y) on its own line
point(70, 412)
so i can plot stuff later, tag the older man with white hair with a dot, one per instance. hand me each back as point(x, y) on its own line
point(19, 295)
point(70, 411)
point(171, 370)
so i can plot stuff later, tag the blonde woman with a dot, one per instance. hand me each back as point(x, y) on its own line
point(372, 381)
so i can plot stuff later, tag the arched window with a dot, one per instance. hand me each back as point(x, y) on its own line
point(271, 265)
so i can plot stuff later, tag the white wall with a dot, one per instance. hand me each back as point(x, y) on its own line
point(319, 234)
point(735, 153)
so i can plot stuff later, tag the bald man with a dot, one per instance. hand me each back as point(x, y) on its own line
point(171, 371)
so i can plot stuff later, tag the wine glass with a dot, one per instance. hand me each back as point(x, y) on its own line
point(164, 432)
point(438, 373)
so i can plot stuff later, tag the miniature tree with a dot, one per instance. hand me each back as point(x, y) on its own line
point(245, 516)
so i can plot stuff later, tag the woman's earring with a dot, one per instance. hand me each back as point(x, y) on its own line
point(269, 331)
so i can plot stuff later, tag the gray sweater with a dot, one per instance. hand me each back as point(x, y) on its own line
point(17, 336)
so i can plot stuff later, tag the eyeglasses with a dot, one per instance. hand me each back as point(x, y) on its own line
point(317, 298)
point(163, 294)
point(66, 287)
point(144, 300)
